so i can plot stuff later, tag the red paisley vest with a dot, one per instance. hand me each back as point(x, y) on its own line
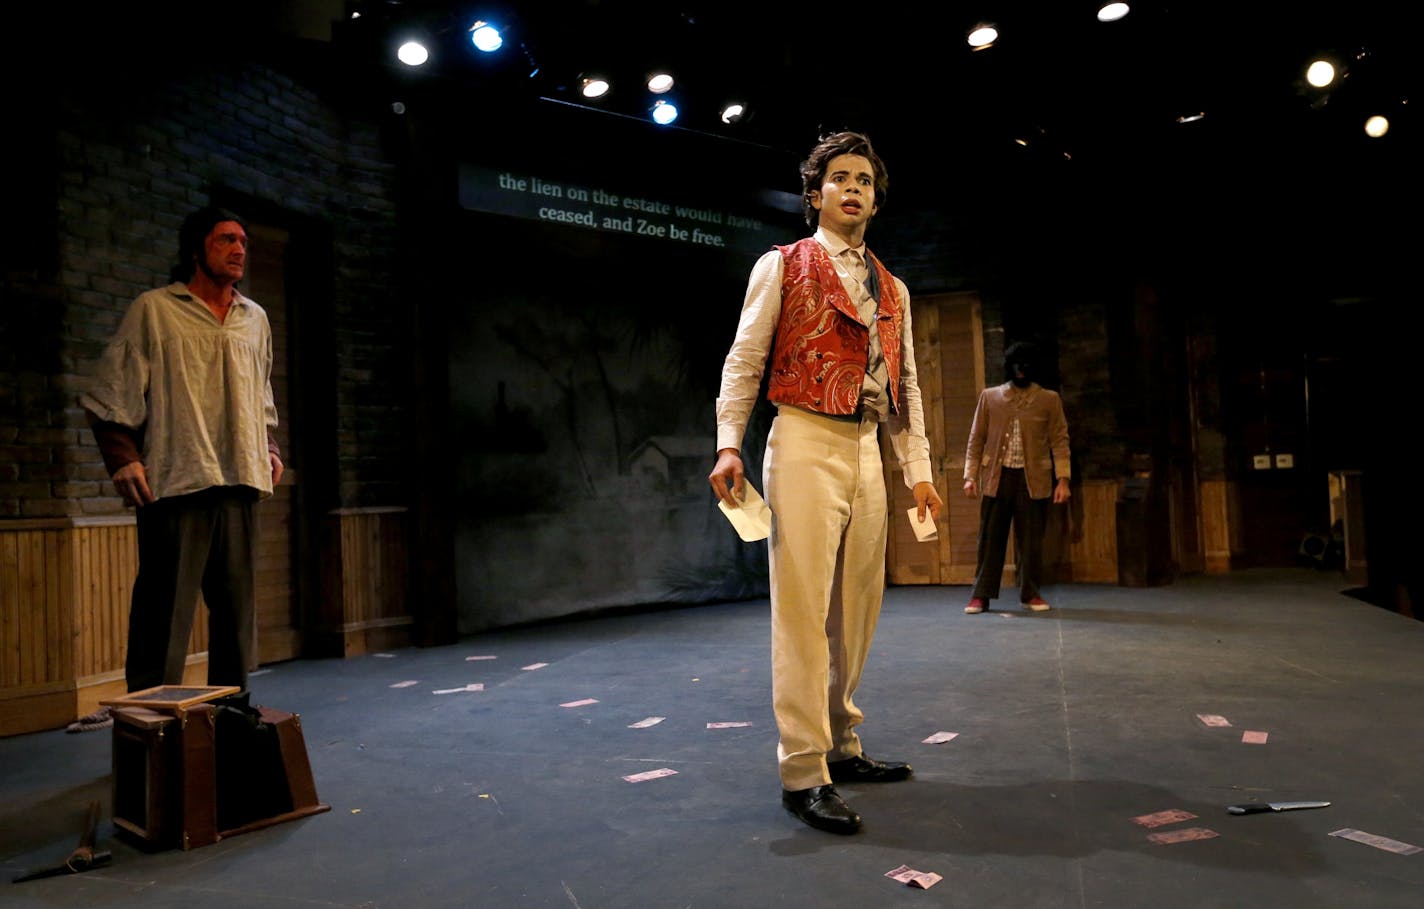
point(819, 355)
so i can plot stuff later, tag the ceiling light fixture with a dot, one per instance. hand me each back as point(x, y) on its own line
point(982, 36)
point(659, 82)
point(1320, 73)
point(412, 53)
point(593, 86)
point(735, 112)
point(1112, 11)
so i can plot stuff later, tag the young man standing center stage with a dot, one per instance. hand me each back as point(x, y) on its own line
point(836, 326)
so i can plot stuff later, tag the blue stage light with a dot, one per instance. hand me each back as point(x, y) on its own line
point(664, 112)
point(486, 37)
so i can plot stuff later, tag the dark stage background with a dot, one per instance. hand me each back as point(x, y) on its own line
point(529, 380)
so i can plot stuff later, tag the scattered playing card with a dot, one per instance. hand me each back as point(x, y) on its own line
point(649, 775)
point(533, 666)
point(482, 657)
point(1211, 719)
point(1251, 737)
point(1379, 842)
point(644, 724)
point(1181, 836)
point(731, 725)
point(909, 876)
point(583, 703)
point(1161, 818)
point(473, 686)
point(939, 738)
point(406, 684)
point(384, 656)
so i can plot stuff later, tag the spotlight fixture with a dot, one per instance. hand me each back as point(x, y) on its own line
point(735, 112)
point(593, 86)
point(1320, 73)
point(486, 37)
point(412, 53)
point(1376, 126)
point(663, 112)
point(982, 35)
point(659, 81)
point(1192, 117)
point(1113, 11)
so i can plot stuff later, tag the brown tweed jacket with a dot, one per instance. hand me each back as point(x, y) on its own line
point(1045, 438)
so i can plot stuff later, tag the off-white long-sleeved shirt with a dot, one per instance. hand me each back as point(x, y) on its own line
point(200, 390)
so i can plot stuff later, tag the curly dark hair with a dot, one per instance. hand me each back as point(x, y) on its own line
point(813, 169)
point(191, 235)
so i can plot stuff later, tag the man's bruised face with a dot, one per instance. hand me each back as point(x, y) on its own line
point(224, 256)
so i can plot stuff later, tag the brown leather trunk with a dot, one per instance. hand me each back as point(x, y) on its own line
point(163, 777)
point(166, 791)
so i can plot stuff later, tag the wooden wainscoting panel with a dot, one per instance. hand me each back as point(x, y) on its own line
point(1217, 526)
point(948, 330)
point(365, 562)
point(36, 631)
point(962, 366)
point(1081, 541)
point(909, 561)
point(278, 635)
point(107, 564)
point(65, 585)
point(10, 607)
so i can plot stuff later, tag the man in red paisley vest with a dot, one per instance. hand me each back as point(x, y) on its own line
point(833, 327)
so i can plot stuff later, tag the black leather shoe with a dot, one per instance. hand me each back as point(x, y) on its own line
point(862, 769)
point(821, 807)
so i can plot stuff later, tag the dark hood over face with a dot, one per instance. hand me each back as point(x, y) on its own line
point(1021, 363)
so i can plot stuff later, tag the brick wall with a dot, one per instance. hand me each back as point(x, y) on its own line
point(105, 187)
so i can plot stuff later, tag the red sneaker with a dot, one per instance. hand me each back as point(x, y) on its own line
point(976, 605)
point(1037, 604)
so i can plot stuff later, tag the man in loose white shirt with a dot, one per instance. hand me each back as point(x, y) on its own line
point(181, 406)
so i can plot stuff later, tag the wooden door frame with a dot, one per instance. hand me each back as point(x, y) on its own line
point(907, 560)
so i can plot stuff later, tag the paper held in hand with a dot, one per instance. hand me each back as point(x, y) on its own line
point(925, 530)
point(752, 519)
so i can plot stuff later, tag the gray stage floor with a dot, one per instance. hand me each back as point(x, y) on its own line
point(1069, 725)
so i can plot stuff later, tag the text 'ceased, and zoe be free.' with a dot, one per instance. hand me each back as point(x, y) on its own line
point(640, 217)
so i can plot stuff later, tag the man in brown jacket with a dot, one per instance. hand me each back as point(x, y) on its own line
point(1017, 457)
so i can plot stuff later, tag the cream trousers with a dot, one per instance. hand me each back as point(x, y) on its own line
point(826, 489)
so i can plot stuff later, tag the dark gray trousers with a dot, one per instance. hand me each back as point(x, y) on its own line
point(204, 542)
point(1029, 517)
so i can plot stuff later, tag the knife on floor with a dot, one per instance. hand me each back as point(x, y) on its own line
point(1260, 807)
